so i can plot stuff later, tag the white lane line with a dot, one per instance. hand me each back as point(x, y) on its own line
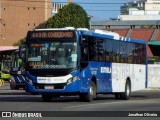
point(85, 105)
point(110, 103)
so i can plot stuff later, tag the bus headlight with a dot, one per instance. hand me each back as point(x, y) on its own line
point(29, 80)
point(72, 79)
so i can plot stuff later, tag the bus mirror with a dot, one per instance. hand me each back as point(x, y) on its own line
point(83, 40)
point(22, 53)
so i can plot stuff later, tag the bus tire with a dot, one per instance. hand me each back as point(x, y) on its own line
point(117, 96)
point(91, 94)
point(127, 93)
point(46, 98)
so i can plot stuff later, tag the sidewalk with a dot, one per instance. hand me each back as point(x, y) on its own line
point(153, 88)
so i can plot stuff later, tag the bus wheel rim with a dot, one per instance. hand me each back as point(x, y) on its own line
point(91, 91)
point(128, 90)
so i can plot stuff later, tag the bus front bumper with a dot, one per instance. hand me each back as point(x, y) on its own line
point(63, 88)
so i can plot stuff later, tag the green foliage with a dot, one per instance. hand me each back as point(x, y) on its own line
point(20, 43)
point(71, 15)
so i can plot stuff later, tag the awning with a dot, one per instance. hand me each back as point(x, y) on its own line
point(8, 48)
point(157, 42)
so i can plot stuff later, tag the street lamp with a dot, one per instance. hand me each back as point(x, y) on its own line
point(90, 21)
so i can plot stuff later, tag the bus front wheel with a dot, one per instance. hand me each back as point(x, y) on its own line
point(88, 97)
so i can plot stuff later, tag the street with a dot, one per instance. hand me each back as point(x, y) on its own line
point(17, 100)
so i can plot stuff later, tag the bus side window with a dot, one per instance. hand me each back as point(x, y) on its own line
point(108, 50)
point(91, 48)
point(115, 51)
point(84, 54)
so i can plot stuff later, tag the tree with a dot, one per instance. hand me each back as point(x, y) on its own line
point(20, 43)
point(71, 15)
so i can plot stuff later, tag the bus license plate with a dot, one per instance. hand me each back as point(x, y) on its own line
point(48, 87)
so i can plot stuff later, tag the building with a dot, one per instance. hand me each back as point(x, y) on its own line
point(56, 8)
point(140, 10)
point(19, 16)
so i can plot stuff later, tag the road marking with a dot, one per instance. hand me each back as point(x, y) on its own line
point(110, 103)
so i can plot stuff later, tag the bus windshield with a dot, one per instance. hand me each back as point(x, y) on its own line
point(6, 65)
point(17, 63)
point(52, 55)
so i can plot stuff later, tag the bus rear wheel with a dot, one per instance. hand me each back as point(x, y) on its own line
point(88, 97)
point(127, 93)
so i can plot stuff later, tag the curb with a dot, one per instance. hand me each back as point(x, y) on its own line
point(153, 88)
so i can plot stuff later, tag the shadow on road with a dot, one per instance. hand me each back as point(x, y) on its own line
point(26, 97)
point(7, 95)
point(14, 93)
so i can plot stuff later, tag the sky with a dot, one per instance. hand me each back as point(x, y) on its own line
point(100, 10)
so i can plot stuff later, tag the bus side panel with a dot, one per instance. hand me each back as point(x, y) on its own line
point(140, 77)
point(121, 71)
point(101, 71)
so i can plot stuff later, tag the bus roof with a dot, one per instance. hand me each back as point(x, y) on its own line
point(96, 33)
point(111, 35)
point(66, 28)
point(50, 29)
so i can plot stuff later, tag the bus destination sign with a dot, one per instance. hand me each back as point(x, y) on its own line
point(52, 34)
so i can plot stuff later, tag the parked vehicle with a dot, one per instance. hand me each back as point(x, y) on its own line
point(17, 79)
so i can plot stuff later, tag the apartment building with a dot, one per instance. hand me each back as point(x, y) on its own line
point(140, 10)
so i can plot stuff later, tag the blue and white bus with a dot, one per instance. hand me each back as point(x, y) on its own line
point(68, 61)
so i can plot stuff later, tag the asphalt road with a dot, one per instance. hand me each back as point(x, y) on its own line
point(141, 102)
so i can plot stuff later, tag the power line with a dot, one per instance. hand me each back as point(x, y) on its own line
point(74, 2)
point(99, 10)
point(18, 5)
point(51, 8)
point(85, 3)
point(66, 2)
